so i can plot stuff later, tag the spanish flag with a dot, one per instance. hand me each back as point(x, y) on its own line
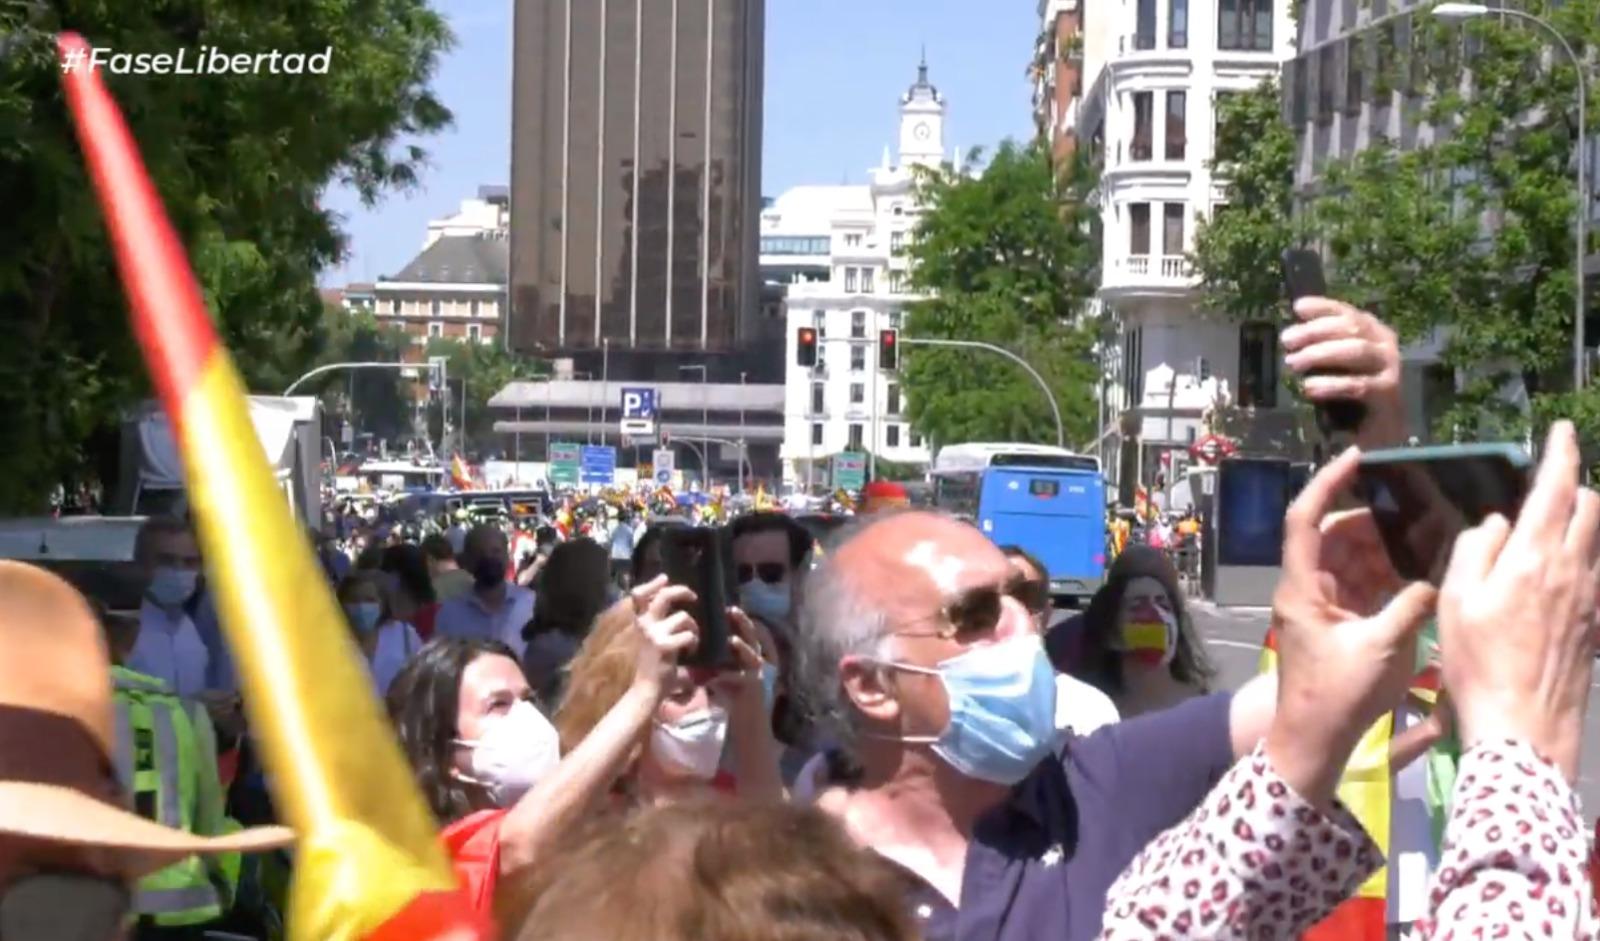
point(460, 473)
point(369, 864)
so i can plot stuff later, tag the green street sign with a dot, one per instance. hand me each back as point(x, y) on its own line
point(566, 461)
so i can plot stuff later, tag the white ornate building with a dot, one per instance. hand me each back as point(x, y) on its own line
point(840, 253)
point(1152, 73)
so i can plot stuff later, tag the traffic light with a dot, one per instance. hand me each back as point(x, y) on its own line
point(889, 349)
point(805, 347)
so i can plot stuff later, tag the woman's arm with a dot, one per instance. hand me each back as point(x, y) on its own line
point(755, 753)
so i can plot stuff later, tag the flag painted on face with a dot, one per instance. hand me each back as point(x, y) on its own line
point(369, 864)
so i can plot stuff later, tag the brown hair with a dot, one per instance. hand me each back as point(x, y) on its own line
point(600, 674)
point(723, 871)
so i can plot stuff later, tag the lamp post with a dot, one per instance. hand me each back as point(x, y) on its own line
point(705, 422)
point(743, 454)
point(1466, 11)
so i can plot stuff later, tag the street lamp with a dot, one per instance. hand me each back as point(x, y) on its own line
point(1465, 11)
point(705, 422)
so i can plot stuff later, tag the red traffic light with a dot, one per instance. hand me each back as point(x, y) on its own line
point(888, 349)
point(805, 349)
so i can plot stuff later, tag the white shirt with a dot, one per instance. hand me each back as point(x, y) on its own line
point(1080, 708)
point(169, 648)
point(397, 641)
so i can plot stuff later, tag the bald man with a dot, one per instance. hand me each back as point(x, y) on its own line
point(937, 681)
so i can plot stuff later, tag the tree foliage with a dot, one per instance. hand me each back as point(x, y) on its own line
point(239, 160)
point(1462, 238)
point(485, 368)
point(1008, 258)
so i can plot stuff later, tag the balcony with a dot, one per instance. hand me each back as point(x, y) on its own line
point(1146, 276)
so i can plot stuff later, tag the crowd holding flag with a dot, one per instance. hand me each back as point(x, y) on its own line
point(369, 864)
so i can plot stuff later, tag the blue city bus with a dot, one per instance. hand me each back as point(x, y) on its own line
point(1049, 501)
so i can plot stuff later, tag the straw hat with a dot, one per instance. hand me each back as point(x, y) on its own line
point(57, 783)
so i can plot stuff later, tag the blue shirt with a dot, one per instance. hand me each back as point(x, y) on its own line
point(465, 616)
point(1039, 865)
point(170, 649)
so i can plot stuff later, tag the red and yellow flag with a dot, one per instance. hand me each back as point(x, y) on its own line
point(369, 864)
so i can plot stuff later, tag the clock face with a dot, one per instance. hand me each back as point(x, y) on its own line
point(922, 131)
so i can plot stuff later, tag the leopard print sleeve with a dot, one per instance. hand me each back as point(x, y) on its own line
point(1513, 861)
point(1254, 860)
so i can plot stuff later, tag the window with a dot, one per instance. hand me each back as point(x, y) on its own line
point(858, 393)
point(1177, 111)
point(898, 210)
point(896, 318)
point(1355, 73)
point(819, 393)
point(854, 443)
point(1258, 365)
point(1143, 118)
point(897, 242)
point(1217, 110)
point(858, 358)
point(1133, 366)
point(1299, 110)
point(794, 245)
point(858, 324)
point(435, 329)
point(1144, 36)
point(472, 308)
point(1244, 25)
point(1139, 228)
point(1327, 82)
point(819, 320)
point(475, 332)
point(867, 287)
point(916, 439)
point(892, 399)
point(1178, 24)
point(1172, 229)
point(850, 280)
point(853, 240)
point(816, 434)
point(433, 307)
point(891, 436)
point(897, 282)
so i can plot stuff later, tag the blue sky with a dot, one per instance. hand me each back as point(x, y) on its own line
point(834, 71)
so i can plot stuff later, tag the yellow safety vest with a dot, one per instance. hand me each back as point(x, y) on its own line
point(157, 762)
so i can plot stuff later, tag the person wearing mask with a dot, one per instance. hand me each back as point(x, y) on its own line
point(935, 678)
point(449, 581)
point(495, 609)
point(1139, 644)
point(1080, 708)
point(385, 641)
point(699, 716)
point(573, 590)
point(1516, 616)
point(73, 859)
point(490, 764)
point(769, 553)
point(410, 588)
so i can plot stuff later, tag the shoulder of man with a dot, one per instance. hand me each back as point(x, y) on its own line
point(1161, 765)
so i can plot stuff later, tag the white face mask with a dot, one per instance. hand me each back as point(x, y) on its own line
point(513, 754)
point(693, 744)
point(171, 587)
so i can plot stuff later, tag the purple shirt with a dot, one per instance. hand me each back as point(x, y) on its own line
point(1040, 864)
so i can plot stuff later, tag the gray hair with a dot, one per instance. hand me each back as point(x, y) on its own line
point(835, 621)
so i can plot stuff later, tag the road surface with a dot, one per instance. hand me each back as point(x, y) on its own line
point(1233, 636)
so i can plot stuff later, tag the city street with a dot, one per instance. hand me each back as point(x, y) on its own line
point(1233, 637)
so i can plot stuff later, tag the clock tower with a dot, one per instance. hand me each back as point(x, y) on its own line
point(922, 122)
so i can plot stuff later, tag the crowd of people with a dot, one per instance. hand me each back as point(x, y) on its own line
point(906, 741)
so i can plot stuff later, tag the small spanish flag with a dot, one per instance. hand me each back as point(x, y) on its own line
point(369, 863)
point(460, 473)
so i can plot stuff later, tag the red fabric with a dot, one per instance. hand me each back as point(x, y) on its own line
point(423, 619)
point(473, 843)
point(1357, 919)
point(436, 916)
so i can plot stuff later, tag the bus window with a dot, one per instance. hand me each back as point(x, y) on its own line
point(1043, 487)
point(957, 493)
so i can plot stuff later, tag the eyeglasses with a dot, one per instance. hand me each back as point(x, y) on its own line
point(770, 572)
point(1033, 593)
point(975, 614)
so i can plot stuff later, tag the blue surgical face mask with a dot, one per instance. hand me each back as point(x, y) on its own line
point(770, 603)
point(171, 587)
point(1002, 710)
point(363, 615)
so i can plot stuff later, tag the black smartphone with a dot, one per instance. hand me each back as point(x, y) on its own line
point(1422, 498)
point(692, 556)
point(1303, 277)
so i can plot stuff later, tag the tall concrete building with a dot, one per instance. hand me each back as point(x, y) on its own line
point(635, 174)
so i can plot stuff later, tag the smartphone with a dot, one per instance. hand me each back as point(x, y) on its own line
point(1303, 277)
point(1422, 498)
point(692, 556)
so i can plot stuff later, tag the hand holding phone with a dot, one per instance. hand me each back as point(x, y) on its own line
point(692, 557)
point(1303, 277)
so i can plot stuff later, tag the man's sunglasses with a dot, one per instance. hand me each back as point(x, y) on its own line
point(770, 572)
point(970, 617)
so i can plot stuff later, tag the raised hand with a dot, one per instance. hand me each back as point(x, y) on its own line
point(668, 631)
point(1357, 357)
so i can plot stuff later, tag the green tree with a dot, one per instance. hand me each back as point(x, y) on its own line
point(240, 161)
point(1006, 257)
point(485, 368)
